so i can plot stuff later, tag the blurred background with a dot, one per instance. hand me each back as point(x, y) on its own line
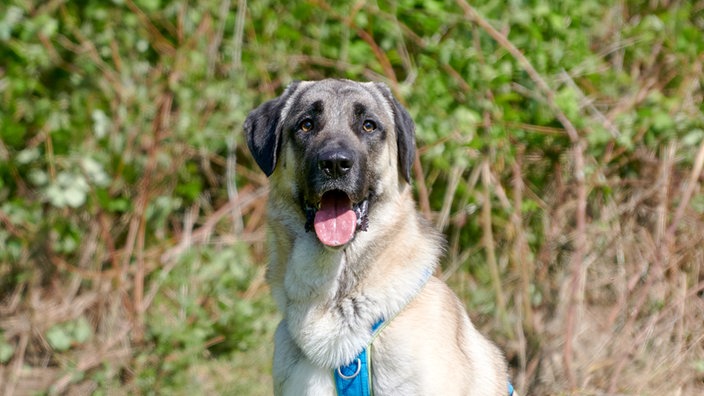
point(561, 147)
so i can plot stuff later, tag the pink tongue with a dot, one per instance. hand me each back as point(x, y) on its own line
point(335, 221)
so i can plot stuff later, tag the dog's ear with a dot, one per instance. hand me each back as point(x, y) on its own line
point(406, 139)
point(263, 130)
point(405, 133)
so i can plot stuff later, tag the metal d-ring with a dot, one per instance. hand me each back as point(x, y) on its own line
point(349, 377)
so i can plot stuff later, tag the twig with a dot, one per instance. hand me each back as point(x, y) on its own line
point(460, 219)
point(521, 253)
point(452, 185)
point(16, 367)
point(338, 64)
point(238, 38)
point(662, 234)
point(423, 194)
point(160, 43)
point(488, 241)
point(689, 190)
point(232, 192)
point(585, 102)
point(217, 39)
point(523, 262)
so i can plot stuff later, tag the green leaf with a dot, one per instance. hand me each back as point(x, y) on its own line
point(27, 155)
point(13, 16)
point(59, 338)
point(69, 189)
point(693, 138)
point(82, 330)
point(6, 350)
point(698, 365)
point(697, 203)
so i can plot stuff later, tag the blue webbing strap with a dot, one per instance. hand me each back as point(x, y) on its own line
point(354, 379)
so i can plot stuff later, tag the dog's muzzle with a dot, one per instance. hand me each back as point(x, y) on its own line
point(338, 205)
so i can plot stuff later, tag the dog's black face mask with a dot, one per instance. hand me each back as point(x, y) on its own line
point(336, 130)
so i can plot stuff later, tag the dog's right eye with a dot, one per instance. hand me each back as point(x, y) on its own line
point(369, 126)
point(306, 125)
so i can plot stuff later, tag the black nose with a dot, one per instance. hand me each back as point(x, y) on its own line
point(336, 163)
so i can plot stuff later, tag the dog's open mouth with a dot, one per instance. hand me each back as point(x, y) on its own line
point(336, 218)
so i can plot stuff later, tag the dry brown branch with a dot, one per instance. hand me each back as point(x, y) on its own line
point(692, 184)
point(521, 253)
point(238, 38)
point(452, 185)
point(159, 42)
point(216, 39)
point(488, 242)
point(17, 364)
point(232, 190)
point(459, 220)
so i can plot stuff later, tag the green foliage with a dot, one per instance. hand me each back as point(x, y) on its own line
point(120, 120)
point(203, 317)
point(6, 350)
point(63, 336)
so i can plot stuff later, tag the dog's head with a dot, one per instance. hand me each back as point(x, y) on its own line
point(334, 147)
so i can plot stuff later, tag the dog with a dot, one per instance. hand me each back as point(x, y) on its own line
point(349, 251)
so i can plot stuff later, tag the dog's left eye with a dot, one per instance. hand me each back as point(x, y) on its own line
point(369, 126)
point(306, 125)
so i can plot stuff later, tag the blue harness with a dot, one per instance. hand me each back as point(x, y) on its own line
point(355, 378)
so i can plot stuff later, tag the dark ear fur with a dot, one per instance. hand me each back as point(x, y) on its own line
point(405, 133)
point(263, 131)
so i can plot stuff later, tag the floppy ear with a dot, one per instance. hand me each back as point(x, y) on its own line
point(406, 139)
point(263, 130)
point(405, 133)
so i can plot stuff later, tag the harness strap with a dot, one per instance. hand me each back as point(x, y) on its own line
point(354, 379)
point(349, 379)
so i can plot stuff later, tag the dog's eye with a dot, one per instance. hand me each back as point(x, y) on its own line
point(369, 126)
point(306, 125)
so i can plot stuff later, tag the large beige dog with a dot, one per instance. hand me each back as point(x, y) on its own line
point(348, 251)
